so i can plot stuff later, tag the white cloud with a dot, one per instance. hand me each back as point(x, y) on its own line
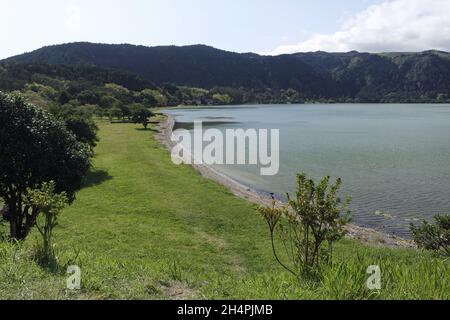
point(394, 25)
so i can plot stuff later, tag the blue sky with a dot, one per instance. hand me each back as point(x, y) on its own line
point(264, 26)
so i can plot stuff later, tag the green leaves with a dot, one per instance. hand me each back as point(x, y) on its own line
point(36, 148)
point(140, 114)
point(434, 237)
point(272, 215)
point(309, 225)
point(46, 199)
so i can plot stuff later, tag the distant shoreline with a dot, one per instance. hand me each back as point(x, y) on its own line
point(256, 104)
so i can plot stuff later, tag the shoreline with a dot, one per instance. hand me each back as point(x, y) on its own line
point(366, 235)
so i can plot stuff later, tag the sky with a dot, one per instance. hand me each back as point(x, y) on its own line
point(261, 26)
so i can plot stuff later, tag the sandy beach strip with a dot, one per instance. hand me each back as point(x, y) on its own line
point(365, 235)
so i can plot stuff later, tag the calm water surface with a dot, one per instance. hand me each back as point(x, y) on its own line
point(394, 159)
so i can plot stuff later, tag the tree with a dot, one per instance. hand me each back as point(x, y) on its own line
point(442, 98)
point(45, 91)
point(119, 92)
point(222, 98)
point(49, 203)
point(35, 148)
point(140, 114)
point(37, 99)
point(64, 97)
point(115, 112)
point(88, 97)
point(152, 98)
point(84, 128)
point(147, 100)
point(126, 112)
point(108, 102)
point(309, 225)
point(434, 237)
point(79, 121)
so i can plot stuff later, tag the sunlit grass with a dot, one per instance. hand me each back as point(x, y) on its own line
point(143, 228)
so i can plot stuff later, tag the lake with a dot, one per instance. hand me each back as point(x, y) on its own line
point(394, 159)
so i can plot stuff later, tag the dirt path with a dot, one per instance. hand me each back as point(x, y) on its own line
point(366, 235)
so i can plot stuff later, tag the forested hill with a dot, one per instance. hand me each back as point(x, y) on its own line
point(194, 66)
point(353, 76)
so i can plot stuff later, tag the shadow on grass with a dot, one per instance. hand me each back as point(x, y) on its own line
point(95, 178)
point(52, 264)
point(148, 129)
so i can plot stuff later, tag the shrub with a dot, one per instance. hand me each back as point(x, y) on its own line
point(434, 237)
point(309, 225)
point(50, 204)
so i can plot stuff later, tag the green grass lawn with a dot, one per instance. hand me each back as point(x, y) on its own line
point(143, 228)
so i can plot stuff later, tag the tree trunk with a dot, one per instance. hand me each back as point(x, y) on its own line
point(15, 230)
point(15, 223)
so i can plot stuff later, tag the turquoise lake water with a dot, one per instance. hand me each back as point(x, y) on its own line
point(394, 159)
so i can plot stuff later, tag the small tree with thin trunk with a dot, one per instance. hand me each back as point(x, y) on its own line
point(308, 226)
point(50, 204)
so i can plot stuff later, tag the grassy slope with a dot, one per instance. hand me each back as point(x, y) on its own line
point(146, 229)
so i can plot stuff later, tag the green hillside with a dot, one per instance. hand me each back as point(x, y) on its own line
point(253, 78)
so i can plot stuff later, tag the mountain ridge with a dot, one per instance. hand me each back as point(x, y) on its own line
point(359, 76)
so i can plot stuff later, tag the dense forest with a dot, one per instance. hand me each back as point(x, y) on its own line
point(221, 77)
point(46, 84)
